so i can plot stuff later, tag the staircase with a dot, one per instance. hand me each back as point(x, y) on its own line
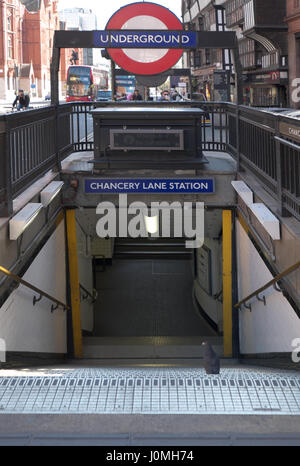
point(161, 248)
point(149, 347)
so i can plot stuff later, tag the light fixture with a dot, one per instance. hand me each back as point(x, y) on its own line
point(270, 223)
point(50, 192)
point(152, 225)
point(243, 191)
point(23, 219)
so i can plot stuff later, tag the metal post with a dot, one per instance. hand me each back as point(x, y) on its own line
point(238, 74)
point(74, 282)
point(113, 80)
point(6, 206)
point(54, 76)
point(239, 99)
point(227, 283)
point(57, 132)
point(235, 295)
point(278, 167)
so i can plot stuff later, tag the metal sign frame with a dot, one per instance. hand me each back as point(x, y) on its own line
point(85, 39)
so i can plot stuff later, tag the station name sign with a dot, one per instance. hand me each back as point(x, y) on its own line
point(291, 131)
point(145, 39)
point(149, 186)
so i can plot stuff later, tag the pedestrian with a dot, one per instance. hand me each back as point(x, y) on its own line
point(165, 96)
point(175, 96)
point(136, 95)
point(23, 99)
point(202, 95)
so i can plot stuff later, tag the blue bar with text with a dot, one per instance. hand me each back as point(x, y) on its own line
point(145, 39)
point(149, 186)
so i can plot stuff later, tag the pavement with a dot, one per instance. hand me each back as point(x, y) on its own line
point(81, 404)
point(5, 106)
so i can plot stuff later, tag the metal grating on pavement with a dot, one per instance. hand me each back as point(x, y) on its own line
point(151, 391)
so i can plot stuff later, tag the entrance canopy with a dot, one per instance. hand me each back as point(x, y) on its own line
point(144, 39)
point(86, 39)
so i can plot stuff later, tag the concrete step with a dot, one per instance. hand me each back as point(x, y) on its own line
point(143, 249)
point(148, 347)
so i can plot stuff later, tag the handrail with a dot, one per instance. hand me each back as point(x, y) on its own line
point(88, 294)
point(268, 285)
point(37, 290)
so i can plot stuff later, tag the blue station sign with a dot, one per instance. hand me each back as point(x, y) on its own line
point(149, 186)
point(145, 39)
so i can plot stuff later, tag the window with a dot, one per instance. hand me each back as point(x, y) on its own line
point(208, 56)
point(10, 46)
point(220, 19)
point(9, 23)
point(201, 23)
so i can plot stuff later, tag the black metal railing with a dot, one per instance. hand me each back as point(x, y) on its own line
point(35, 141)
point(31, 143)
point(268, 145)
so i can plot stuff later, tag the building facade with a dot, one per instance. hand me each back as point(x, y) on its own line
point(38, 31)
point(11, 46)
point(26, 41)
point(205, 15)
point(82, 19)
point(293, 21)
point(263, 47)
point(66, 56)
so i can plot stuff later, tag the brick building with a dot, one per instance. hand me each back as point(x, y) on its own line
point(11, 46)
point(26, 40)
point(39, 24)
point(293, 21)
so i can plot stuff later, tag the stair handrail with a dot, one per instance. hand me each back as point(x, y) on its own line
point(41, 293)
point(269, 284)
point(93, 296)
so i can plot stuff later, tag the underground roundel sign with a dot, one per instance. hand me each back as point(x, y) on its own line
point(145, 17)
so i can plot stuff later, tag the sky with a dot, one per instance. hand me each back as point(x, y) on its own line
point(104, 9)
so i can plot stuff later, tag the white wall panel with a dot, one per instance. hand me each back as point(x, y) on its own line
point(85, 278)
point(270, 328)
point(29, 328)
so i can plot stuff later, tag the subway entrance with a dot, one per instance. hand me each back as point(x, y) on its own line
point(153, 297)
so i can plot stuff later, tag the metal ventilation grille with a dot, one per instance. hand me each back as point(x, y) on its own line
point(143, 139)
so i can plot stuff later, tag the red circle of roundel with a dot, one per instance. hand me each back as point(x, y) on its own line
point(146, 9)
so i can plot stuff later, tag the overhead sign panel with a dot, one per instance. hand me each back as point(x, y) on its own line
point(150, 186)
point(141, 39)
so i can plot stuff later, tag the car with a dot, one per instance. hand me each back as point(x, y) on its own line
point(48, 96)
point(104, 96)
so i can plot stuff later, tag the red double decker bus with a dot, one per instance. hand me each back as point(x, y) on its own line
point(84, 82)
